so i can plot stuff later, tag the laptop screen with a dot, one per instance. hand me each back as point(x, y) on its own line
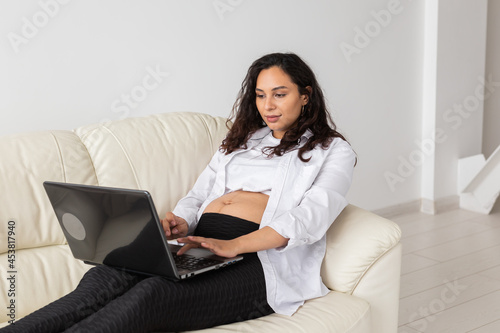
point(116, 227)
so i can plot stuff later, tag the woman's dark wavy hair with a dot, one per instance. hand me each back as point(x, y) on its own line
point(315, 117)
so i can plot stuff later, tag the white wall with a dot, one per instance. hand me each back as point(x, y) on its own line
point(461, 65)
point(79, 66)
point(491, 133)
point(453, 111)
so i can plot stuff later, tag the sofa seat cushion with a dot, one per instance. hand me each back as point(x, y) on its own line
point(45, 274)
point(336, 312)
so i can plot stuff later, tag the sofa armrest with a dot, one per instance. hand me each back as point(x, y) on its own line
point(363, 258)
point(380, 286)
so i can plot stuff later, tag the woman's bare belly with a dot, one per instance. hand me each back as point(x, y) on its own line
point(245, 205)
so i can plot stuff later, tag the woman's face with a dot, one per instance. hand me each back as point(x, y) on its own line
point(278, 100)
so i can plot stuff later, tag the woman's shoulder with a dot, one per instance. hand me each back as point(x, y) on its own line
point(340, 143)
point(339, 149)
point(335, 144)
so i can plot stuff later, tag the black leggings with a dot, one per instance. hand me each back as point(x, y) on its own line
point(112, 300)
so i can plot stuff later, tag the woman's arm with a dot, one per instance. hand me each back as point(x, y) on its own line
point(262, 239)
point(187, 208)
point(320, 205)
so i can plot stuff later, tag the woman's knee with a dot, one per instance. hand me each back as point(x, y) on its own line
point(108, 278)
point(154, 284)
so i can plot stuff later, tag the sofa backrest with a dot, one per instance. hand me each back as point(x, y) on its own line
point(161, 153)
point(26, 161)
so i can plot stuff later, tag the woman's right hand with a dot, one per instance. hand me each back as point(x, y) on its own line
point(174, 226)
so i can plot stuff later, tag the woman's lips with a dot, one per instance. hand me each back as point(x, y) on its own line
point(272, 119)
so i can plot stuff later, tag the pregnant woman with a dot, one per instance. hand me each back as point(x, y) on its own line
point(270, 192)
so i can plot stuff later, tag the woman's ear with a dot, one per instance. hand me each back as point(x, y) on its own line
point(305, 97)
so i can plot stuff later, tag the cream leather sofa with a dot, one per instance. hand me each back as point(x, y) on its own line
point(164, 154)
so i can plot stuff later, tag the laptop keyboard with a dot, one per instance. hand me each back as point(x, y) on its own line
point(190, 262)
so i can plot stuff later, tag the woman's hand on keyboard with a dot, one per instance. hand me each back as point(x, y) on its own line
point(223, 248)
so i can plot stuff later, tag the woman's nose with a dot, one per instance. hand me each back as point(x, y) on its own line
point(269, 105)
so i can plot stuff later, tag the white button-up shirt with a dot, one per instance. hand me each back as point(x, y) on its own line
point(306, 198)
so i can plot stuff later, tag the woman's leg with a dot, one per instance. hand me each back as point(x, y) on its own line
point(98, 287)
point(235, 293)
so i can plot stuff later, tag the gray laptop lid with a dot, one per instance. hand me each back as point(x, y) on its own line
point(116, 227)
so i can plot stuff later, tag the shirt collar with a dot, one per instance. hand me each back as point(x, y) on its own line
point(262, 132)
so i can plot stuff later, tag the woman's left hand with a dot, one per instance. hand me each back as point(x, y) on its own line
point(223, 248)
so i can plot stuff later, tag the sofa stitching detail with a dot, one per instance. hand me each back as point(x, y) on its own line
point(83, 138)
point(162, 124)
point(126, 155)
point(207, 128)
point(360, 318)
point(382, 254)
point(61, 159)
point(362, 275)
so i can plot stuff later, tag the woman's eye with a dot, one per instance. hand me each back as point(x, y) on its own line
point(280, 95)
point(260, 96)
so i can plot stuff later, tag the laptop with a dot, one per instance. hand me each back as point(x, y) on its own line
point(120, 228)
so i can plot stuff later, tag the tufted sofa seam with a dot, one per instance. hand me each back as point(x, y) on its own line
point(161, 123)
point(360, 318)
point(81, 138)
point(61, 159)
point(126, 155)
point(204, 122)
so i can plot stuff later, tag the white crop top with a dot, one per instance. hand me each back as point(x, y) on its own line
point(252, 170)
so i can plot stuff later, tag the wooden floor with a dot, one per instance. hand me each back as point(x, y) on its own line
point(450, 279)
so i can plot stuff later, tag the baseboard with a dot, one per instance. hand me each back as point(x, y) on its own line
point(423, 205)
point(399, 209)
point(449, 203)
